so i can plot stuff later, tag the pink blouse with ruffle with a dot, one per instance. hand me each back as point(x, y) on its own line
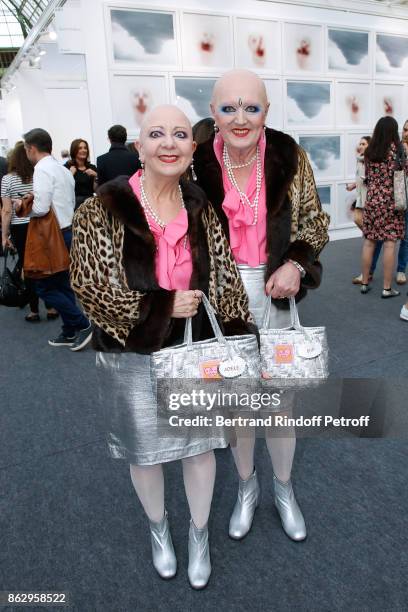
point(247, 241)
point(174, 264)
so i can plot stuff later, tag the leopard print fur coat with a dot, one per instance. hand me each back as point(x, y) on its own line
point(297, 227)
point(113, 272)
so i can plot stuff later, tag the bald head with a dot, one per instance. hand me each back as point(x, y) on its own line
point(162, 115)
point(236, 84)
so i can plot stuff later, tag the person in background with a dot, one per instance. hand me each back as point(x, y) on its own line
point(64, 156)
point(119, 160)
point(361, 194)
point(381, 221)
point(403, 248)
point(3, 167)
point(53, 185)
point(203, 130)
point(17, 183)
point(82, 170)
point(3, 171)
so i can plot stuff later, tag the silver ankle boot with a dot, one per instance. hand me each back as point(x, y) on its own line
point(290, 514)
point(164, 558)
point(247, 501)
point(199, 563)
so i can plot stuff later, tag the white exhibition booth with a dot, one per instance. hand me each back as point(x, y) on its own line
point(330, 73)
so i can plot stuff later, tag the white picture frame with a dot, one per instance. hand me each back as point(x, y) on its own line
point(389, 99)
point(142, 38)
point(391, 56)
point(348, 51)
point(344, 200)
point(133, 95)
point(192, 94)
point(309, 104)
point(353, 104)
point(303, 48)
point(206, 42)
point(257, 45)
point(326, 193)
point(274, 90)
point(325, 153)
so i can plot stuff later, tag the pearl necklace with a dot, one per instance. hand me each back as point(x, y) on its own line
point(243, 196)
point(248, 163)
point(149, 210)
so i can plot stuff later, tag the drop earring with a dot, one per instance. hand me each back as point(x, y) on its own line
point(142, 167)
point(193, 174)
point(216, 128)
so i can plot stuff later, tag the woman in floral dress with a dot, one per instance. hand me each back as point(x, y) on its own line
point(381, 221)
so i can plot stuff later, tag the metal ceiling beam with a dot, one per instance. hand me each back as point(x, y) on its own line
point(40, 25)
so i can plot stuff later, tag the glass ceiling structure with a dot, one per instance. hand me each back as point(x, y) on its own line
point(17, 17)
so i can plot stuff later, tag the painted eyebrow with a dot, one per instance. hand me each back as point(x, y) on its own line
point(244, 104)
point(160, 127)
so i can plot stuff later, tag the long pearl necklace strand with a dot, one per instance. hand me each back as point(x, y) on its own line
point(149, 210)
point(243, 196)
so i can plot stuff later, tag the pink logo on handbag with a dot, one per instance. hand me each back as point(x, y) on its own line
point(284, 353)
point(209, 369)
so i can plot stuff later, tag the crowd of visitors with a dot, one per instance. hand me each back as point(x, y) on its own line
point(375, 212)
point(33, 183)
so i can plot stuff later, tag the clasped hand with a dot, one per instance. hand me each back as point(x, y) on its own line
point(284, 282)
point(186, 303)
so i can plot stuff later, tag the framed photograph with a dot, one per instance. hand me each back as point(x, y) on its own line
point(257, 44)
point(193, 96)
point(389, 100)
point(274, 118)
point(303, 48)
point(344, 214)
point(206, 42)
point(353, 104)
point(348, 51)
point(391, 56)
point(326, 198)
point(309, 104)
point(133, 96)
point(325, 154)
point(141, 38)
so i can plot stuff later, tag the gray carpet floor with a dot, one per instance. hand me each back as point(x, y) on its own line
point(70, 521)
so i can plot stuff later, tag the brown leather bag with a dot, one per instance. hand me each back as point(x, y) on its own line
point(45, 251)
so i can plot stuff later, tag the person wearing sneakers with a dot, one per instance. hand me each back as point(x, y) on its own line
point(361, 194)
point(403, 248)
point(381, 221)
point(54, 185)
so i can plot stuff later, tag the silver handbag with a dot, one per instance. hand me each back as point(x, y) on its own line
point(216, 358)
point(297, 356)
point(400, 183)
point(400, 190)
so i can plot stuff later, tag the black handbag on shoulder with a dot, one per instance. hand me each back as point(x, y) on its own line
point(13, 291)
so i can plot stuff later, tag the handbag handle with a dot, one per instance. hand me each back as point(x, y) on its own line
point(294, 315)
point(7, 253)
point(188, 330)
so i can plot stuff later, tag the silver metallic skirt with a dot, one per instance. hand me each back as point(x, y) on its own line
point(130, 413)
point(254, 282)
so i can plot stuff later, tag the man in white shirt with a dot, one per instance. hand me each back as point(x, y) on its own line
point(54, 185)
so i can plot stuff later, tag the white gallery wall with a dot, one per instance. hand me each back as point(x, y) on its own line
point(329, 74)
point(53, 95)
